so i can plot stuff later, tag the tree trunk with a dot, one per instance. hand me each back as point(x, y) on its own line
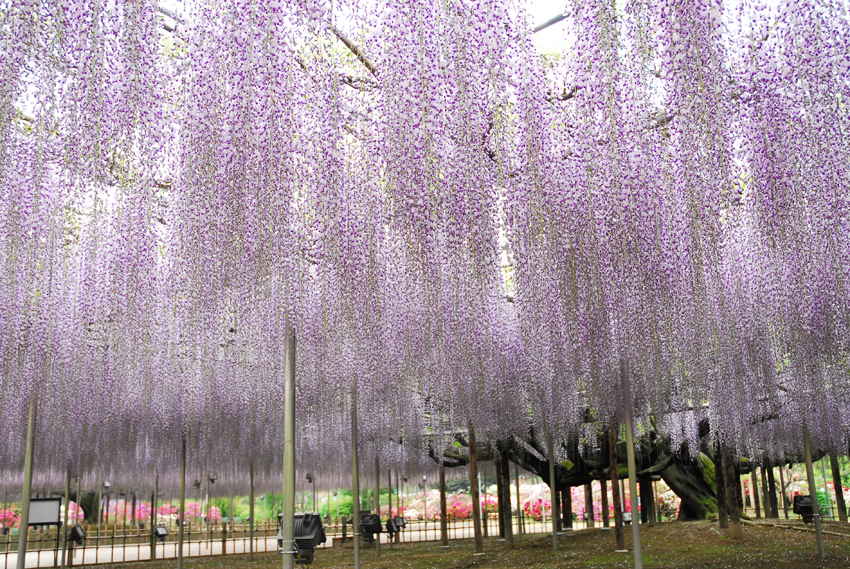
point(647, 501)
point(765, 498)
point(720, 480)
point(476, 496)
point(738, 484)
point(693, 484)
point(615, 488)
point(839, 494)
point(500, 492)
point(771, 490)
point(567, 500)
point(733, 507)
point(755, 489)
point(506, 500)
point(588, 505)
point(604, 484)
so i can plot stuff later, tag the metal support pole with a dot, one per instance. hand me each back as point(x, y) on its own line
point(287, 522)
point(99, 513)
point(476, 495)
point(810, 474)
point(355, 479)
point(782, 486)
point(154, 499)
point(553, 492)
point(181, 515)
point(518, 500)
point(79, 501)
point(630, 452)
point(444, 526)
point(205, 511)
point(64, 526)
point(378, 503)
point(27, 489)
point(251, 511)
point(825, 487)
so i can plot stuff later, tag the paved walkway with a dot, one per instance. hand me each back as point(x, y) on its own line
point(194, 548)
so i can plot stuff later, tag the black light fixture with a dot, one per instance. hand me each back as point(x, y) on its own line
point(77, 535)
point(395, 525)
point(160, 532)
point(370, 525)
point(308, 532)
point(804, 507)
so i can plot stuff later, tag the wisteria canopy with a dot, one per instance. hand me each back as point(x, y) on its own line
point(459, 229)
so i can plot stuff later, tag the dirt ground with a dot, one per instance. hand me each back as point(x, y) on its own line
point(694, 545)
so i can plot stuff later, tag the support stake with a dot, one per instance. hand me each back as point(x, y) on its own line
point(630, 453)
point(355, 480)
point(26, 493)
point(287, 523)
point(378, 503)
point(476, 495)
point(251, 510)
point(810, 474)
point(553, 492)
point(181, 515)
point(64, 526)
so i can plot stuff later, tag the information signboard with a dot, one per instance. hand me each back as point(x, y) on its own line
point(45, 511)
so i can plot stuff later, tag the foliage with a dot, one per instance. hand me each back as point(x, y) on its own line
point(9, 518)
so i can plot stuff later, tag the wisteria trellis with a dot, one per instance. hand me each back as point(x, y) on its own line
point(467, 230)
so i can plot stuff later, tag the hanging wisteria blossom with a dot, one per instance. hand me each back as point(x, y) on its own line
point(460, 229)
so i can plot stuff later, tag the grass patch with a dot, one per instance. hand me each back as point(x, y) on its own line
point(694, 545)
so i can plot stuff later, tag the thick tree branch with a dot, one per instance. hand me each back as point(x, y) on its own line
point(355, 50)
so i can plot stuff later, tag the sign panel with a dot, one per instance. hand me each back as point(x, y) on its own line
point(45, 511)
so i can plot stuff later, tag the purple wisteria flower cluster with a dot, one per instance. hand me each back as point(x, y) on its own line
point(465, 229)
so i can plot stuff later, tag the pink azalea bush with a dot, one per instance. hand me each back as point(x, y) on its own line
point(8, 519)
point(143, 511)
point(459, 507)
point(213, 514)
point(425, 506)
point(534, 508)
point(75, 513)
point(490, 505)
point(193, 510)
point(121, 512)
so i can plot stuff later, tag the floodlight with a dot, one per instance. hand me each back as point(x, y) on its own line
point(308, 532)
point(309, 477)
point(160, 532)
point(395, 525)
point(77, 535)
point(107, 484)
point(370, 525)
point(804, 507)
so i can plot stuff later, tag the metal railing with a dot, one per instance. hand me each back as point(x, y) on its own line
point(117, 544)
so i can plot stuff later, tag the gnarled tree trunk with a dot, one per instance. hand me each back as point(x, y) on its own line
point(694, 484)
